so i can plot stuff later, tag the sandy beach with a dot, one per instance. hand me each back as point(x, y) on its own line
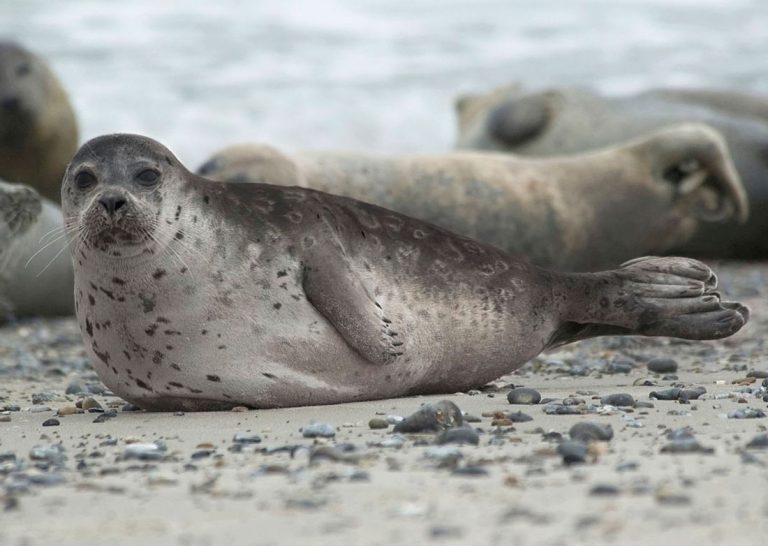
point(252, 477)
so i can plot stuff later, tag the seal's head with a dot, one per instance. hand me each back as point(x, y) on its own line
point(20, 206)
point(22, 96)
point(118, 193)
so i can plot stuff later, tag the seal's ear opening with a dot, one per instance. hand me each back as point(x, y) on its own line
point(517, 120)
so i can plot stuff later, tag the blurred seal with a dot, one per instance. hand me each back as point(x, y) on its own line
point(36, 277)
point(194, 294)
point(578, 213)
point(571, 120)
point(38, 131)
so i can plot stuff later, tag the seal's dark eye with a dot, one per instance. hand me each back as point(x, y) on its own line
point(148, 177)
point(84, 180)
point(23, 69)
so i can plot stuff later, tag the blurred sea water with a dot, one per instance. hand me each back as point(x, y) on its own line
point(365, 74)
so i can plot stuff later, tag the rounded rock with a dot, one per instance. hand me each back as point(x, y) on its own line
point(662, 365)
point(524, 395)
point(378, 423)
point(589, 431)
point(620, 400)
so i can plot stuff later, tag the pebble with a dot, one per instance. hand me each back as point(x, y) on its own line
point(747, 413)
point(620, 400)
point(667, 495)
point(604, 490)
point(106, 416)
point(40, 397)
point(560, 409)
point(519, 417)
point(74, 388)
point(318, 430)
point(53, 454)
point(682, 440)
point(378, 423)
point(144, 452)
point(470, 470)
point(89, 404)
point(759, 374)
point(5, 418)
point(458, 435)
point(130, 407)
point(524, 395)
point(758, 442)
point(51, 423)
point(395, 441)
point(68, 410)
point(666, 394)
point(241, 438)
point(432, 418)
point(589, 431)
point(662, 365)
point(572, 452)
point(445, 455)
point(39, 409)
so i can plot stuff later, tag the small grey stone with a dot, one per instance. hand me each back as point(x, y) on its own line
point(662, 365)
point(759, 442)
point(589, 431)
point(666, 394)
point(395, 441)
point(74, 388)
point(760, 374)
point(620, 400)
point(572, 452)
point(604, 490)
point(144, 452)
point(241, 438)
point(519, 417)
point(458, 435)
point(51, 422)
point(39, 409)
point(106, 416)
point(432, 418)
point(470, 470)
point(524, 395)
point(560, 409)
point(130, 407)
point(318, 430)
point(747, 413)
point(40, 397)
point(378, 423)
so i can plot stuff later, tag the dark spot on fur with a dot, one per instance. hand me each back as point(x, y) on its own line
point(176, 384)
point(194, 391)
point(147, 304)
point(203, 332)
point(143, 385)
point(108, 293)
point(127, 355)
point(277, 305)
point(88, 327)
point(282, 273)
point(158, 274)
point(91, 299)
point(163, 320)
point(220, 347)
point(206, 199)
point(183, 270)
point(179, 235)
point(151, 330)
point(604, 302)
point(172, 332)
point(157, 358)
point(178, 212)
point(118, 281)
point(268, 375)
point(176, 367)
point(214, 378)
point(121, 299)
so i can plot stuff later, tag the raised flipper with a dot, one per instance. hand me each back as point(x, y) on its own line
point(519, 119)
point(342, 297)
point(673, 297)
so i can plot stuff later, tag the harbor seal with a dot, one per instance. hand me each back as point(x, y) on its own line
point(36, 275)
point(38, 129)
point(572, 120)
point(194, 295)
point(580, 213)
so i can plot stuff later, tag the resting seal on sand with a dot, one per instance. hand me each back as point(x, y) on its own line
point(36, 276)
point(193, 294)
point(572, 120)
point(38, 130)
point(579, 213)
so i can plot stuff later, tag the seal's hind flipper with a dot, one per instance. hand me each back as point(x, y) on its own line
point(673, 297)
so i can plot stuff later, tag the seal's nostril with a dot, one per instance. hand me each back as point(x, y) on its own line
point(112, 203)
point(10, 104)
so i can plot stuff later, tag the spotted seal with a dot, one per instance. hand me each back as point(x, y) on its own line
point(193, 294)
point(38, 129)
point(571, 120)
point(36, 275)
point(580, 213)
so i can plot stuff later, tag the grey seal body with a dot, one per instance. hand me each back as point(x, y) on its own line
point(36, 274)
point(194, 294)
point(572, 120)
point(580, 213)
point(38, 129)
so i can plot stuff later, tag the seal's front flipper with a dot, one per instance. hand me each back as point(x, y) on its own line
point(673, 297)
point(341, 296)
